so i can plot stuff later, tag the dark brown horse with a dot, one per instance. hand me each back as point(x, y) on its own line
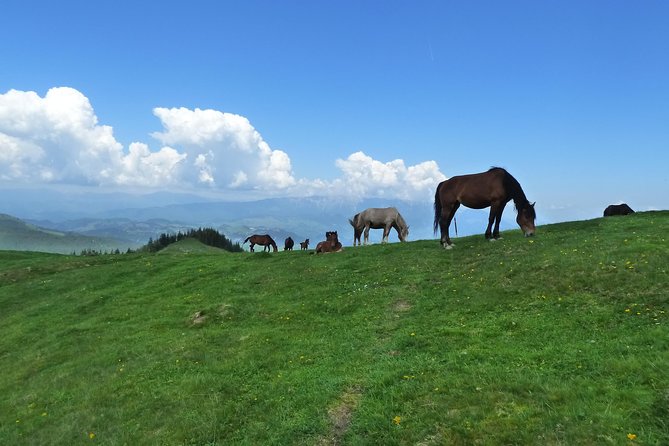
point(288, 244)
point(617, 209)
point(493, 188)
point(264, 240)
point(304, 245)
point(331, 243)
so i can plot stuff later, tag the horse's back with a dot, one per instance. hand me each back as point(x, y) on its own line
point(474, 190)
point(379, 215)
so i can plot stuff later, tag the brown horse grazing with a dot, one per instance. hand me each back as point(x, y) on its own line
point(264, 240)
point(304, 245)
point(493, 188)
point(288, 244)
point(331, 243)
point(617, 209)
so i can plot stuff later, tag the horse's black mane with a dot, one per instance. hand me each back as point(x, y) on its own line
point(514, 190)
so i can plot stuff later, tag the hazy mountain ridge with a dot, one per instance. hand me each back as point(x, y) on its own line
point(102, 216)
point(17, 235)
point(279, 217)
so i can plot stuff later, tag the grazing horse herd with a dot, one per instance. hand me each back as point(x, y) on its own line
point(493, 188)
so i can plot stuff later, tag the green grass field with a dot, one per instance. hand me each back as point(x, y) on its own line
point(561, 339)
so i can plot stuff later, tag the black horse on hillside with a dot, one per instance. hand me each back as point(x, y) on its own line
point(617, 209)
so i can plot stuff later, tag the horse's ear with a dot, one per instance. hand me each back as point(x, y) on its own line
point(533, 204)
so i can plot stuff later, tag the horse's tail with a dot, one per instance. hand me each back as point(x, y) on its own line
point(437, 209)
point(355, 221)
point(455, 221)
point(247, 239)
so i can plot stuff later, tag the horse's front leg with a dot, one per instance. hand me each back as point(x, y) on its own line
point(386, 233)
point(366, 234)
point(399, 231)
point(491, 220)
point(498, 219)
point(492, 232)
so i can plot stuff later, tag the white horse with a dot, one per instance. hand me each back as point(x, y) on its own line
point(378, 218)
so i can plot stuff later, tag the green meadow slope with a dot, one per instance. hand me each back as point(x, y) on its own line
point(560, 339)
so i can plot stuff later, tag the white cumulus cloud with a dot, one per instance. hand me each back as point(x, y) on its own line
point(365, 176)
point(227, 150)
point(57, 138)
point(145, 168)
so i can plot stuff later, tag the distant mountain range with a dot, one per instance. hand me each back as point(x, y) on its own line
point(55, 221)
point(17, 235)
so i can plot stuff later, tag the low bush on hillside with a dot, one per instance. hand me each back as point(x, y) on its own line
point(208, 236)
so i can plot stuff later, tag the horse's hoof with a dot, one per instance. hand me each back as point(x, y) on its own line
point(493, 239)
point(448, 246)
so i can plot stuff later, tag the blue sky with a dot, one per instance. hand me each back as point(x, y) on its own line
point(272, 98)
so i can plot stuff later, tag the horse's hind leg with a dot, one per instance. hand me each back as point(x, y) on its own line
point(447, 214)
point(366, 234)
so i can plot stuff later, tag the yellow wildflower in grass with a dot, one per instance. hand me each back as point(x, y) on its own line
point(397, 420)
point(631, 436)
point(91, 435)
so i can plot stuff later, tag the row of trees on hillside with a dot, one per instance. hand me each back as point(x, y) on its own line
point(208, 236)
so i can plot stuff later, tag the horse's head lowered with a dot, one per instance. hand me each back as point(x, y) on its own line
point(403, 234)
point(526, 217)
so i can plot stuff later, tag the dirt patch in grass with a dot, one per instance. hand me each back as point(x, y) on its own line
point(198, 318)
point(401, 306)
point(340, 415)
point(225, 310)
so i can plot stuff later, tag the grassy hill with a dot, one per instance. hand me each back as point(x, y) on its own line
point(561, 339)
point(19, 235)
point(190, 246)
